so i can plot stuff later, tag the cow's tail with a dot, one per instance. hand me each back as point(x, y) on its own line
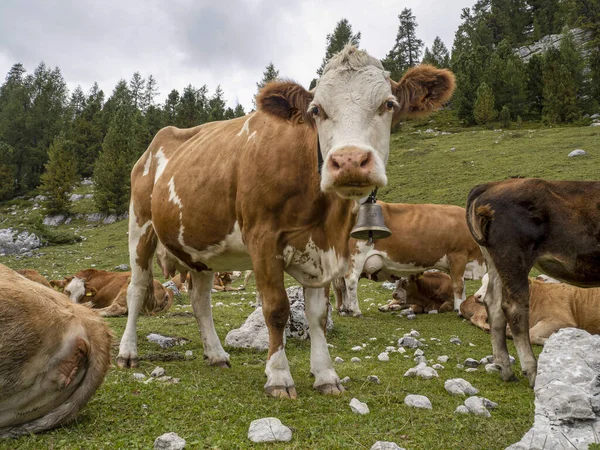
point(479, 217)
point(95, 357)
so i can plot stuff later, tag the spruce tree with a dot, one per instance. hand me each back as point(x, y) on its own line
point(270, 74)
point(438, 56)
point(406, 51)
point(505, 117)
point(171, 107)
point(7, 171)
point(60, 176)
point(239, 111)
point(484, 111)
point(216, 106)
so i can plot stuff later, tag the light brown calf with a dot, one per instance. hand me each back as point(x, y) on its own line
point(107, 292)
point(34, 275)
point(552, 306)
point(431, 291)
point(53, 356)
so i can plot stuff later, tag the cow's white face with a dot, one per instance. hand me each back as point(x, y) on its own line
point(75, 290)
point(353, 106)
point(480, 294)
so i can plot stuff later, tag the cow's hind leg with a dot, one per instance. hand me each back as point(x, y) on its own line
point(202, 283)
point(497, 321)
point(142, 244)
point(350, 305)
point(327, 380)
point(542, 330)
point(458, 262)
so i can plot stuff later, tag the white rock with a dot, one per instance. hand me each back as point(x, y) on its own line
point(417, 401)
point(269, 429)
point(471, 369)
point(189, 354)
point(461, 409)
point(345, 380)
point(475, 405)
point(437, 366)
point(401, 350)
point(419, 359)
point(158, 372)
point(357, 348)
point(455, 340)
point(413, 333)
point(139, 376)
point(383, 357)
point(169, 441)
point(492, 368)
point(373, 379)
point(419, 352)
point(460, 386)
point(385, 445)
point(338, 360)
point(358, 407)
point(355, 359)
point(578, 152)
point(390, 349)
point(433, 311)
point(443, 359)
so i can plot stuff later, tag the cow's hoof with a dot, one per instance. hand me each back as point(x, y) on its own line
point(127, 362)
point(223, 363)
point(282, 392)
point(348, 313)
point(331, 389)
point(531, 378)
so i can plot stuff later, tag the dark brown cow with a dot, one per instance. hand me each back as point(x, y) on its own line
point(431, 291)
point(525, 223)
point(107, 292)
point(34, 275)
point(247, 193)
point(53, 356)
point(423, 237)
point(552, 306)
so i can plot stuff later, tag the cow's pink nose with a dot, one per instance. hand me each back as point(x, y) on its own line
point(350, 162)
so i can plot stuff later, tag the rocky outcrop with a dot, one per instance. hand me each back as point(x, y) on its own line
point(11, 241)
point(567, 393)
point(553, 41)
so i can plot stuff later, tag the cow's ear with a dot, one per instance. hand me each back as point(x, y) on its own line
point(421, 90)
point(419, 276)
point(91, 292)
point(286, 100)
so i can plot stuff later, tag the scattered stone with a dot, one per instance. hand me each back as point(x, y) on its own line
point(338, 360)
point(411, 316)
point(460, 386)
point(417, 401)
point(470, 362)
point(388, 285)
point(511, 359)
point(189, 354)
point(86, 182)
point(453, 149)
point(406, 312)
point(386, 445)
point(75, 197)
point(269, 429)
point(122, 267)
point(157, 372)
point(419, 359)
point(357, 348)
point(471, 369)
point(345, 380)
point(149, 380)
point(54, 220)
point(373, 379)
point(355, 359)
point(475, 406)
point(358, 407)
point(169, 441)
point(409, 342)
point(13, 242)
point(95, 217)
point(443, 359)
point(433, 311)
point(166, 341)
point(139, 376)
point(384, 356)
point(402, 350)
point(489, 404)
point(437, 366)
point(419, 352)
point(390, 349)
point(170, 284)
point(455, 340)
point(578, 152)
point(112, 218)
point(492, 368)
point(460, 366)
point(461, 409)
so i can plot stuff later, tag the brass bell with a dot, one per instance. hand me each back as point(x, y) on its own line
point(369, 223)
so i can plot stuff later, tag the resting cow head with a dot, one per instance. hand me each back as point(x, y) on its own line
point(76, 290)
point(353, 107)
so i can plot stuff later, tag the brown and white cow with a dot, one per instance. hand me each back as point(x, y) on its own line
point(247, 194)
point(552, 306)
point(430, 291)
point(34, 275)
point(423, 237)
point(524, 223)
point(107, 292)
point(53, 356)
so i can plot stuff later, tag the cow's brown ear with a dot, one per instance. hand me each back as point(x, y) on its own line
point(421, 90)
point(286, 100)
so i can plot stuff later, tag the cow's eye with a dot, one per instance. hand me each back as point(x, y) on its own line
point(314, 111)
point(389, 105)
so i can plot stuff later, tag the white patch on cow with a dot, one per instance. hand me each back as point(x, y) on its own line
point(246, 127)
point(75, 289)
point(251, 136)
point(173, 197)
point(161, 164)
point(147, 164)
point(312, 266)
point(278, 370)
point(480, 294)
point(230, 253)
point(474, 270)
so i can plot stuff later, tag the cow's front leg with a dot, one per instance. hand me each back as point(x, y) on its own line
point(316, 308)
point(350, 306)
point(202, 283)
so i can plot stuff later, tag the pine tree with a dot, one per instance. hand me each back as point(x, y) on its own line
point(77, 103)
point(484, 111)
point(171, 106)
point(216, 105)
point(149, 94)
point(60, 176)
point(438, 56)
point(193, 108)
point(406, 51)
point(239, 111)
point(505, 117)
point(270, 74)
point(7, 171)
point(336, 41)
point(535, 85)
point(136, 88)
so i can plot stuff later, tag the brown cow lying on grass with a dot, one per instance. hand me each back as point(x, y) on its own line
point(53, 356)
point(34, 275)
point(107, 292)
point(552, 306)
point(423, 292)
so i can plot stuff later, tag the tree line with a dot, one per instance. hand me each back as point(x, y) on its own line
point(51, 139)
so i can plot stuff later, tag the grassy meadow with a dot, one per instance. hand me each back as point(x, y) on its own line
point(212, 408)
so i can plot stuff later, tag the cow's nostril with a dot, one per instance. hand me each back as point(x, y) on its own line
point(335, 164)
point(365, 160)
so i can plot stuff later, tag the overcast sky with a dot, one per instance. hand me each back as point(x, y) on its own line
point(224, 42)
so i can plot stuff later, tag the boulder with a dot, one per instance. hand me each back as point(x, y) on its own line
point(460, 386)
point(567, 393)
point(358, 407)
point(11, 241)
point(169, 441)
point(578, 152)
point(269, 429)
point(418, 401)
point(54, 220)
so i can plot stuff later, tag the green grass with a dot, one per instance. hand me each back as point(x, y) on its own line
point(213, 408)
